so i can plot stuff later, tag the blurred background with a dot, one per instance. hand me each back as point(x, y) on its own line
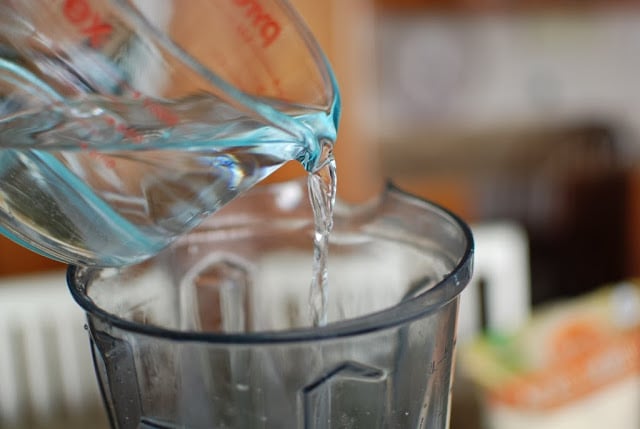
point(522, 117)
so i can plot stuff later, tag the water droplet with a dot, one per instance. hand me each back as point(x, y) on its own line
point(242, 387)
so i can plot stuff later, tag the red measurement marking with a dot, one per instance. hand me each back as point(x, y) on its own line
point(88, 21)
point(161, 113)
point(129, 133)
point(263, 23)
point(244, 33)
point(279, 91)
point(108, 162)
point(132, 134)
point(137, 137)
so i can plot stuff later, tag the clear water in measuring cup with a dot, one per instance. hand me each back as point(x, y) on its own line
point(106, 181)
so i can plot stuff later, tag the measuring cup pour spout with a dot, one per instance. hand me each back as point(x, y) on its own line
point(124, 123)
point(319, 136)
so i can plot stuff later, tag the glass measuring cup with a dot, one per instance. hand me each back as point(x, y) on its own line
point(124, 123)
point(216, 330)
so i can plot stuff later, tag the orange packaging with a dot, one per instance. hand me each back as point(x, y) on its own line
point(567, 352)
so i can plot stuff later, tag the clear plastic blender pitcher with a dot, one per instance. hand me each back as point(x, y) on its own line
point(216, 331)
point(124, 123)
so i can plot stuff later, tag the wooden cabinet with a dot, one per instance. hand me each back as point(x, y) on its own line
point(15, 260)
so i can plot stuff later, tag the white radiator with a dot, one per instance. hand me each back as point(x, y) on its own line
point(46, 374)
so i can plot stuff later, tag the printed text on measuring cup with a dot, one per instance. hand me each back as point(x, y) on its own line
point(87, 21)
point(263, 23)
